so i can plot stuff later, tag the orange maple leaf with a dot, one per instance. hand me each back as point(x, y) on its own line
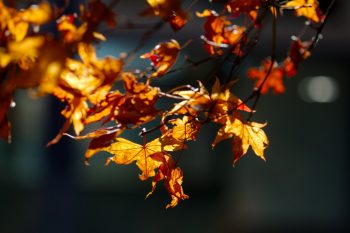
point(244, 135)
point(136, 106)
point(79, 82)
point(184, 129)
point(270, 74)
point(224, 102)
point(219, 33)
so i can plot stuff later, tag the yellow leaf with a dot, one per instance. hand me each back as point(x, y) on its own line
point(184, 129)
point(126, 152)
point(244, 135)
point(196, 101)
point(172, 176)
point(307, 8)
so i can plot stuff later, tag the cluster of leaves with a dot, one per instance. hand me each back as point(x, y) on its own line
point(36, 60)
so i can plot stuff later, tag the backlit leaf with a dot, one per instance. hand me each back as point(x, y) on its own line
point(163, 57)
point(271, 73)
point(244, 135)
point(220, 33)
point(172, 176)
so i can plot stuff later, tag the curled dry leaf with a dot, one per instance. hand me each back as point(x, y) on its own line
point(163, 57)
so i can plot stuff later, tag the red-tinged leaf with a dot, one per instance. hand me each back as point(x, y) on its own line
point(163, 57)
point(177, 21)
point(298, 52)
point(270, 74)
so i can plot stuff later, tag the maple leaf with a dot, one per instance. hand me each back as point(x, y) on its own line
point(126, 152)
point(219, 33)
point(172, 177)
point(224, 102)
point(196, 101)
point(274, 80)
point(244, 135)
point(307, 8)
point(163, 57)
point(169, 10)
point(70, 32)
point(183, 129)
point(136, 106)
point(79, 82)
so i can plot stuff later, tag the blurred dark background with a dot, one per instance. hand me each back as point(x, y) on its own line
point(303, 186)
